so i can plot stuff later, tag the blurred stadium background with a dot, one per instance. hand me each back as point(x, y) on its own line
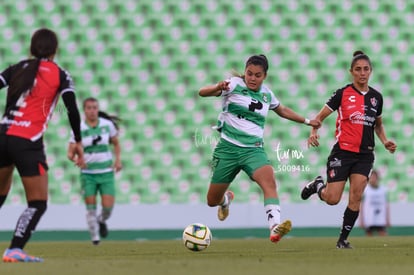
point(145, 61)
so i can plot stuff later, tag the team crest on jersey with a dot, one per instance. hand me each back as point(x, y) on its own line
point(265, 99)
point(373, 101)
point(213, 163)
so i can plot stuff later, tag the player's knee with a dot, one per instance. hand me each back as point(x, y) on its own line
point(332, 200)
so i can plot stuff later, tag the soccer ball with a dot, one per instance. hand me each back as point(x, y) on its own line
point(197, 237)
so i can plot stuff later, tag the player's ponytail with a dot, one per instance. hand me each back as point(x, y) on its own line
point(114, 119)
point(235, 73)
point(23, 79)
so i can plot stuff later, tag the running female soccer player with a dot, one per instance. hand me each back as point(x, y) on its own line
point(246, 102)
point(359, 109)
point(99, 132)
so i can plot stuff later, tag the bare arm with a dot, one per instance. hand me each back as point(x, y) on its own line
point(215, 89)
point(288, 113)
point(313, 138)
point(380, 131)
point(71, 151)
point(117, 153)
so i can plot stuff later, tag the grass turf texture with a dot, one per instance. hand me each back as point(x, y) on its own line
point(376, 255)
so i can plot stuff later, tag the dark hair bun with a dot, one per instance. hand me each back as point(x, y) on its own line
point(263, 56)
point(358, 53)
point(258, 59)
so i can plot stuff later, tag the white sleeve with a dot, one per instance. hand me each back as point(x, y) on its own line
point(274, 102)
point(112, 130)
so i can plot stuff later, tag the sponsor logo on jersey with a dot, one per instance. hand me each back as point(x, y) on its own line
point(22, 123)
point(360, 118)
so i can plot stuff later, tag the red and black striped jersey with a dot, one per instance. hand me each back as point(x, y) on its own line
point(28, 115)
point(357, 113)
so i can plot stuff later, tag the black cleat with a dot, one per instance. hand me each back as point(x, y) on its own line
point(311, 188)
point(95, 242)
point(343, 244)
point(103, 230)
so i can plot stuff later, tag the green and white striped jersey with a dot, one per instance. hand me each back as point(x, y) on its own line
point(96, 146)
point(244, 113)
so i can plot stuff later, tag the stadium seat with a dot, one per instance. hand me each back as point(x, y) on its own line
point(145, 61)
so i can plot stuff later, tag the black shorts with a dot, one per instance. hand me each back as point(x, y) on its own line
point(27, 156)
point(341, 164)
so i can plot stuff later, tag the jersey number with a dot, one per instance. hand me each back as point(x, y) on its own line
point(96, 140)
point(255, 105)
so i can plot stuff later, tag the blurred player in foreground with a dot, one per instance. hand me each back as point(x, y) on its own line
point(34, 86)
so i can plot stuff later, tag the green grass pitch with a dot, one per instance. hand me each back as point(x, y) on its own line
point(302, 255)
